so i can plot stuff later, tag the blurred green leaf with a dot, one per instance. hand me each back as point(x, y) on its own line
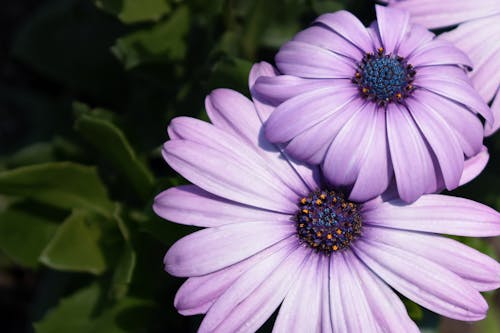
point(110, 141)
point(124, 272)
point(230, 73)
point(132, 11)
point(414, 310)
point(85, 311)
point(23, 236)
point(164, 42)
point(68, 41)
point(40, 152)
point(326, 6)
point(75, 246)
point(62, 184)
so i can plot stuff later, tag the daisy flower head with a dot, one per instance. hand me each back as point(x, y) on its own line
point(477, 35)
point(276, 234)
point(373, 104)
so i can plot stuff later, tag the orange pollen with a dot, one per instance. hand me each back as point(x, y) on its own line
point(365, 90)
point(380, 50)
point(335, 248)
point(329, 236)
point(322, 196)
point(303, 201)
point(338, 231)
point(319, 202)
point(319, 234)
point(305, 211)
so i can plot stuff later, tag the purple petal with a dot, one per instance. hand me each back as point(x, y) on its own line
point(211, 249)
point(323, 37)
point(387, 309)
point(198, 293)
point(235, 114)
point(437, 214)
point(393, 26)
point(417, 37)
point(348, 26)
point(492, 127)
point(423, 281)
point(458, 91)
point(229, 175)
point(326, 317)
point(301, 309)
point(278, 89)
point(359, 149)
point(438, 52)
point(474, 166)
point(263, 106)
point(190, 205)
point(306, 110)
point(411, 159)
point(376, 171)
point(481, 271)
point(442, 140)
point(251, 300)
point(483, 49)
point(467, 126)
point(437, 14)
point(310, 61)
point(312, 144)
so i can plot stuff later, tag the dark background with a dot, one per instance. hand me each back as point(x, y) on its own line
point(87, 89)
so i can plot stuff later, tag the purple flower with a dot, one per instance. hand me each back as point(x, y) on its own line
point(372, 103)
point(276, 233)
point(477, 35)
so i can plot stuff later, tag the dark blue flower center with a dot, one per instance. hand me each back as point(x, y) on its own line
point(327, 222)
point(384, 78)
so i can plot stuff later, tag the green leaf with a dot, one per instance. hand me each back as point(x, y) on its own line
point(85, 312)
point(63, 184)
point(68, 41)
point(23, 236)
point(115, 148)
point(75, 245)
point(132, 11)
point(165, 41)
point(124, 272)
point(230, 73)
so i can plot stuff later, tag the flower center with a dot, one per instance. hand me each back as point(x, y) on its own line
point(327, 222)
point(384, 78)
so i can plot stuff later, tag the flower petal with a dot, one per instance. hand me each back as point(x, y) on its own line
point(263, 106)
point(481, 271)
point(310, 61)
point(492, 126)
point(442, 140)
point(393, 26)
point(324, 37)
point(474, 166)
point(438, 14)
point(248, 303)
point(348, 26)
point(280, 88)
point(466, 125)
point(211, 249)
point(458, 91)
point(423, 281)
point(415, 175)
point(190, 205)
point(483, 49)
point(233, 113)
point(437, 214)
point(438, 52)
point(198, 293)
point(306, 110)
point(311, 145)
point(381, 298)
point(417, 37)
point(229, 175)
point(301, 309)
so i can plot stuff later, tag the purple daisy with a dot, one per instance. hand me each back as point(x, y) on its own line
point(370, 104)
point(477, 35)
point(276, 233)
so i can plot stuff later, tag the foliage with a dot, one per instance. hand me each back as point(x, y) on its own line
point(84, 117)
